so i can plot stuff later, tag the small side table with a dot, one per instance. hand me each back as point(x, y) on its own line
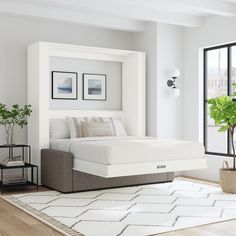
point(27, 165)
point(30, 182)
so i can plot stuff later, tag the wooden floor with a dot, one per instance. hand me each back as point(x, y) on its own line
point(14, 222)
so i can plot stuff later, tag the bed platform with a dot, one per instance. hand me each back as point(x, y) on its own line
point(109, 171)
point(57, 173)
point(110, 157)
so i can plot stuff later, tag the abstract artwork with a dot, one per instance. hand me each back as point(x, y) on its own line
point(94, 86)
point(64, 85)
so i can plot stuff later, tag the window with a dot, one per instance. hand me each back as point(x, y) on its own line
point(219, 74)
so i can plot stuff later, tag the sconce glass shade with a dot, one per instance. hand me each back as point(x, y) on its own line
point(175, 92)
point(175, 73)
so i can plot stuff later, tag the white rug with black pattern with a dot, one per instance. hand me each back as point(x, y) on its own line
point(140, 210)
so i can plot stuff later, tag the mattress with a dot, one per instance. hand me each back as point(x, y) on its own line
point(110, 157)
point(126, 150)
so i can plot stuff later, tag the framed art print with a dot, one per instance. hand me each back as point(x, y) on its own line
point(94, 87)
point(64, 85)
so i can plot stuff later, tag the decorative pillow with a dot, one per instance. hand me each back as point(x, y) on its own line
point(119, 127)
point(58, 128)
point(95, 129)
point(75, 128)
point(72, 127)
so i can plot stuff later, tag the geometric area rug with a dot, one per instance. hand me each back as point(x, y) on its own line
point(139, 210)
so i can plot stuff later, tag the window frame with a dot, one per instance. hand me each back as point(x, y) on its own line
point(205, 100)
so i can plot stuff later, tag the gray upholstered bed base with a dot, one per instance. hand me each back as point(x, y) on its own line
point(57, 173)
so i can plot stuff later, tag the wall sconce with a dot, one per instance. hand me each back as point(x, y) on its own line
point(171, 82)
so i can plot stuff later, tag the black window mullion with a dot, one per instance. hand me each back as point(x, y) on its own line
point(205, 99)
point(228, 89)
point(205, 103)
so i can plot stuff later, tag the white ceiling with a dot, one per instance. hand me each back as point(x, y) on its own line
point(128, 15)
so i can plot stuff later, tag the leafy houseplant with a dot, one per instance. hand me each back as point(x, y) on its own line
point(223, 111)
point(15, 116)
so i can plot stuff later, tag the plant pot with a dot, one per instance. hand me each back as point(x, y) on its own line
point(228, 180)
point(9, 135)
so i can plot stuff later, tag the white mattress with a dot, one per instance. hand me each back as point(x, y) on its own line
point(125, 150)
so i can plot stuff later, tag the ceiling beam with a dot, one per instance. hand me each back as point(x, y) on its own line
point(215, 7)
point(72, 16)
point(116, 14)
point(127, 9)
point(196, 7)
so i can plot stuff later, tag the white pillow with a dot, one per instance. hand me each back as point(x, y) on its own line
point(58, 129)
point(74, 124)
point(96, 129)
point(119, 127)
point(72, 128)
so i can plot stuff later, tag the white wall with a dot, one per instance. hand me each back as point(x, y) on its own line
point(215, 31)
point(146, 41)
point(164, 47)
point(170, 49)
point(18, 32)
point(113, 72)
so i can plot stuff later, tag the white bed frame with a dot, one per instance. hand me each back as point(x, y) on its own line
point(133, 89)
point(117, 170)
point(132, 112)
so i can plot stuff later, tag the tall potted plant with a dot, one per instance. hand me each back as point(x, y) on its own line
point(223, 111)
point(15, 116)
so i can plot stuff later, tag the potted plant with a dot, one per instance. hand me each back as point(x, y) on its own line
point(15, 116)
point(223, 111)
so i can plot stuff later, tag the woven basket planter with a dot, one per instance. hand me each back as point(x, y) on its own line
point(227, 179)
